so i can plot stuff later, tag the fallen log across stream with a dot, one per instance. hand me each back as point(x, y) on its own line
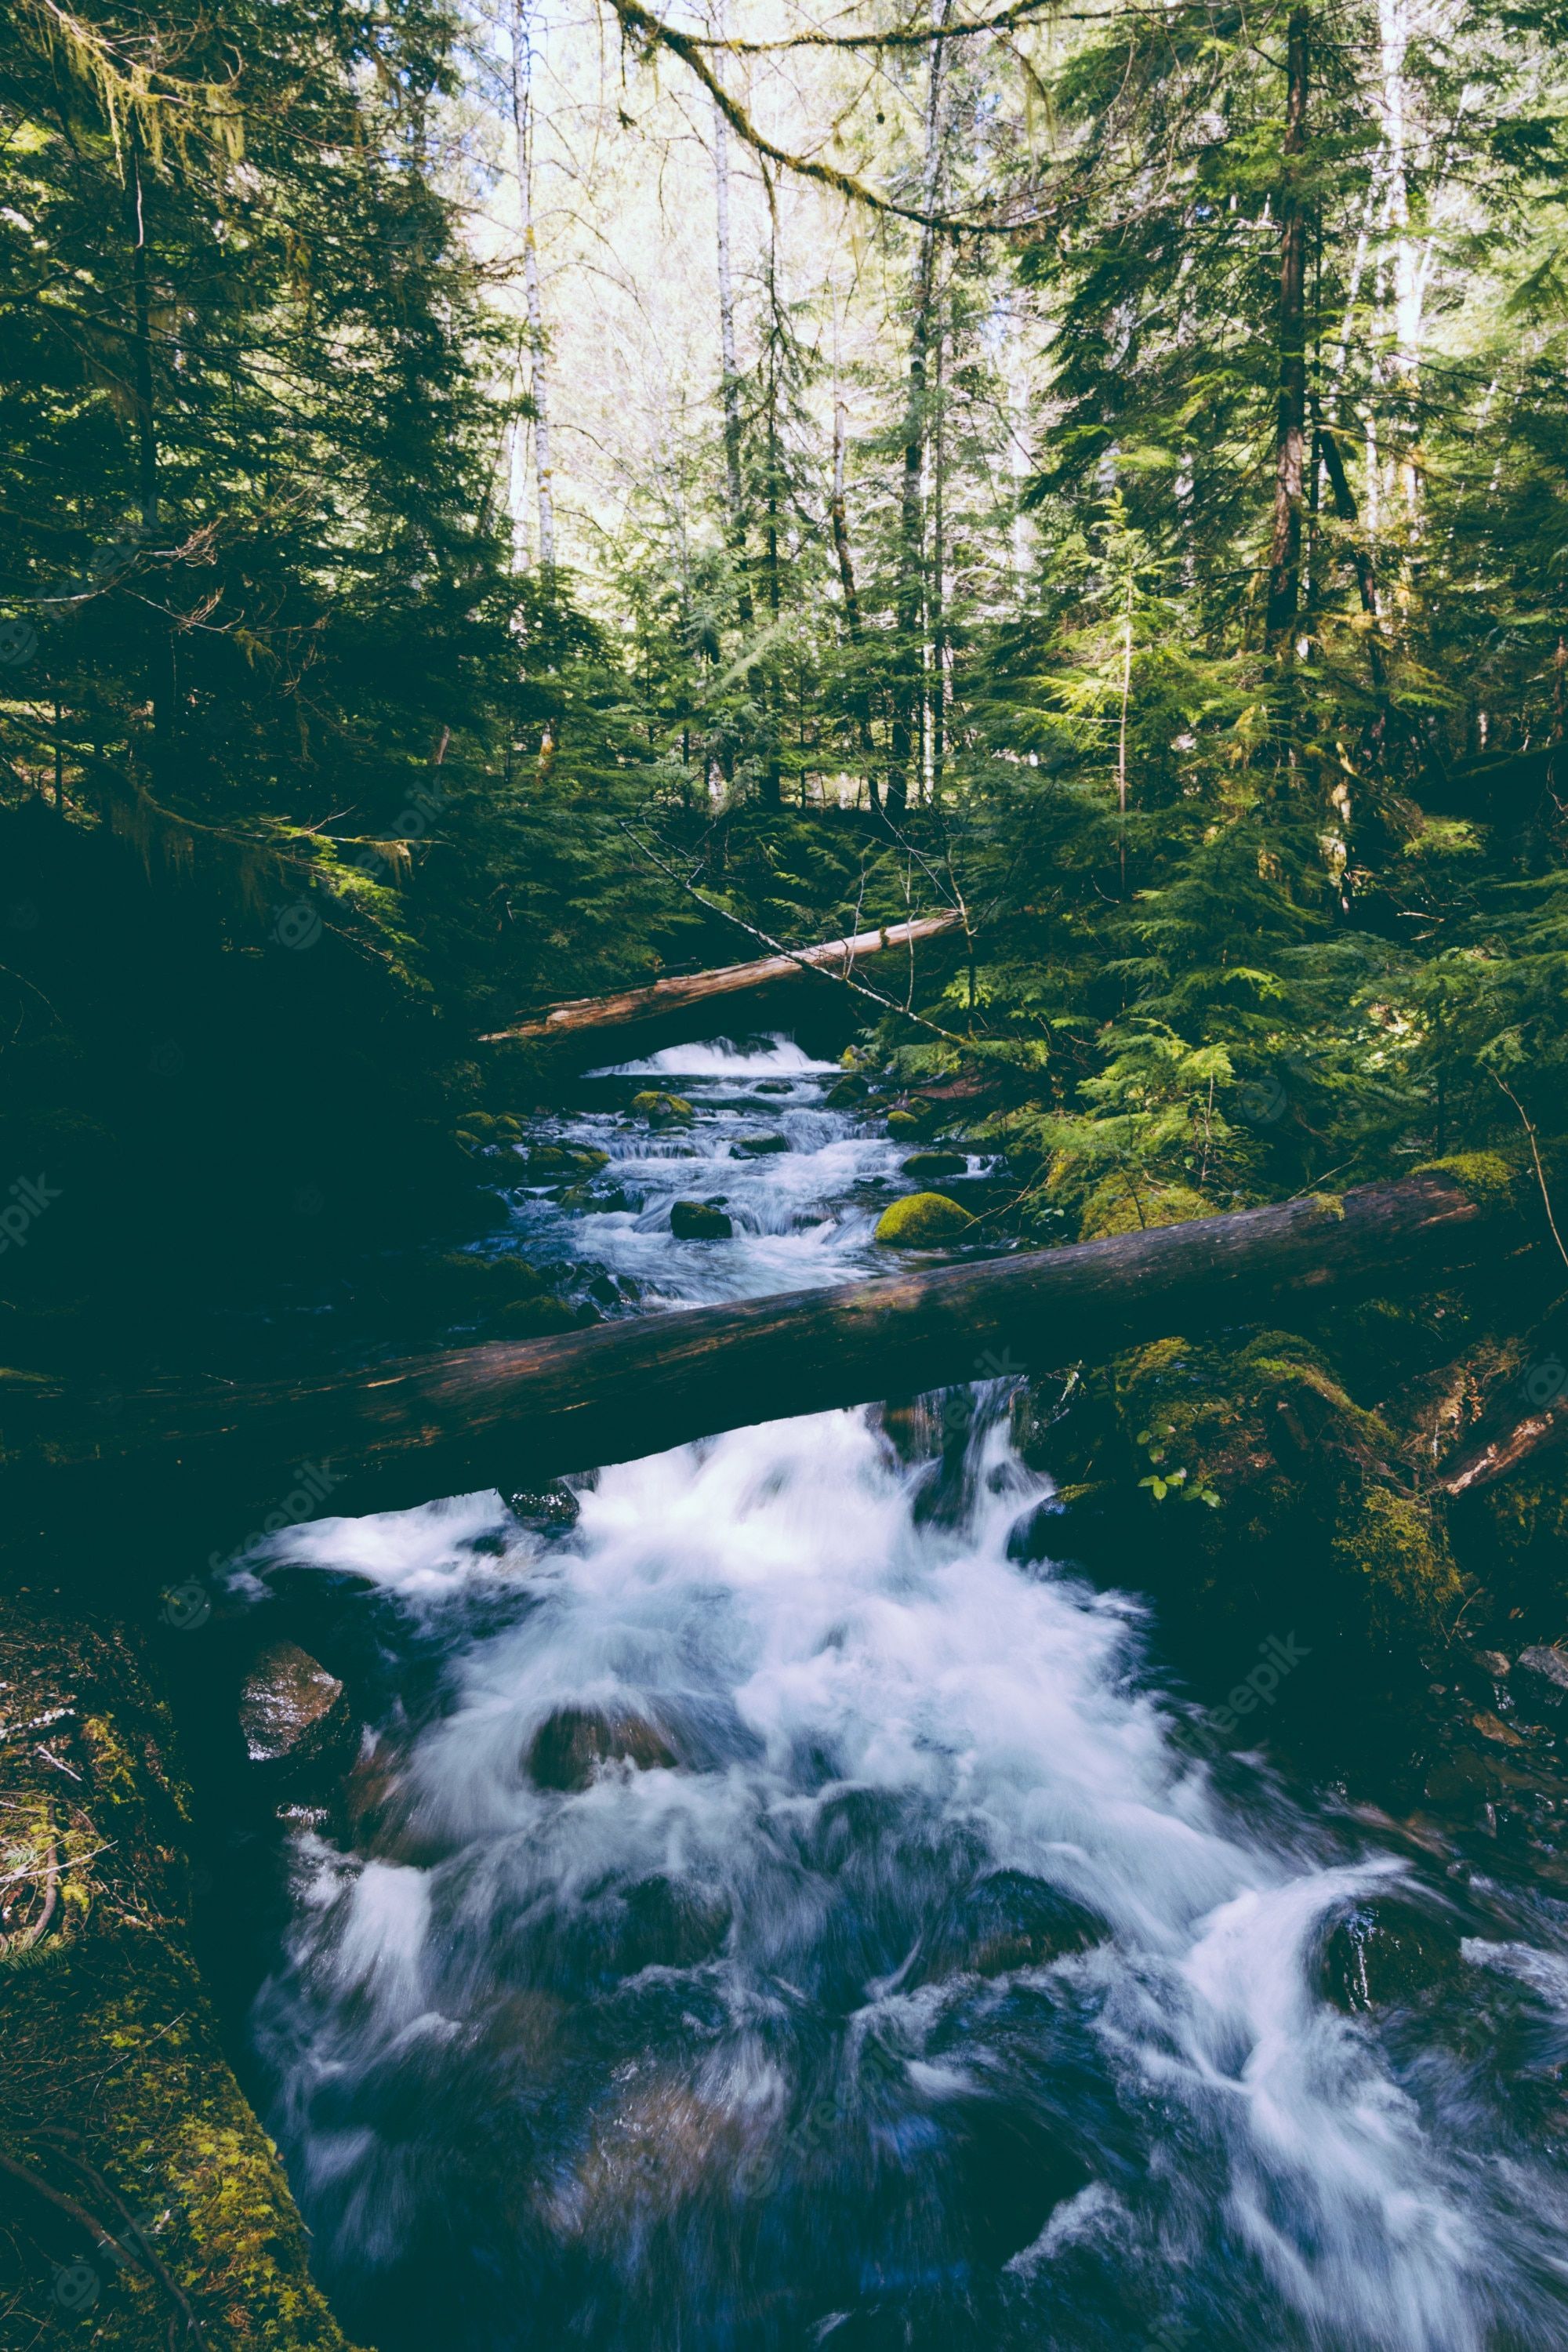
point(670, 1012)
point(512, 1415)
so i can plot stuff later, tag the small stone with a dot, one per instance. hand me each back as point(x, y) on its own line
point(1493, 1662)
point(923, 1221)
point(775, 1086)
point(571, 1744)
point(699, 1221)
point(1493, 1727)
point(291, 1710)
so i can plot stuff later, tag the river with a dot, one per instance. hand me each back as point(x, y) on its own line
point(906, 1978)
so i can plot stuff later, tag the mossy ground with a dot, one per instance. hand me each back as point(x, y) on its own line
point(114, 2089)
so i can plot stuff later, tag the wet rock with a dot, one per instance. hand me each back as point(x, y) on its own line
point(535, 1318)
point(1007, 1920)
point(699, 1221)
point(569, 1747)
point(1014, 2169)
point(923, 1221)
point(845, 1093)
point(1493, 1662)
point(672, 1923)
point(903, 1126)
point(924, 1166)
point(661, 1109)
point(1539, 1681)
point(547, 1510)
point(1387, 1953)
point(760, 1147)
point(775, 1086)
point(548, 1160)
point(294, 1714)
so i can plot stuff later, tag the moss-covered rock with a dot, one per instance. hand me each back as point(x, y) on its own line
point(580, 1160)
point(923, 1221)
point(1395, 1543)
point(107, 2003)
point(699, 1221)
point(927, 1167)
point(661, 1109)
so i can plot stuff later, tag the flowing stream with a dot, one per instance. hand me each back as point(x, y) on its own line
point(903, 1979)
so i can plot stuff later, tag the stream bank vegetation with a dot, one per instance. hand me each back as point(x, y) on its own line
point(512, 504)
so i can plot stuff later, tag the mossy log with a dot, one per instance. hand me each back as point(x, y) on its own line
point(589, 1029)
point(513, 1414)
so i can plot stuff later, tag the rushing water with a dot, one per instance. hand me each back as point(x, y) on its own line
point(919, 1986)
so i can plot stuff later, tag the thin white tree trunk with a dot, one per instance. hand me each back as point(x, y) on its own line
point(729, 366)
point(541, 383)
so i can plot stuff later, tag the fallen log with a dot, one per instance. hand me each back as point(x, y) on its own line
point(1527, 1417)
point(669, 1011)
point(512, 1415)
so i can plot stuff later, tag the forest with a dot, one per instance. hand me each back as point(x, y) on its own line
point(511, 508)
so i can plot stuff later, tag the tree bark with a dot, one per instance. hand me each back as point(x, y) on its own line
point(852, 621)
point(907, 732)
point(401, 1433)
point(731, 387)
point(1289, 443)
point(541, 382)
point(606, 1024)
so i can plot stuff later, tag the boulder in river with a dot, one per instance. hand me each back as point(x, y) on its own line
point(1387, 1953)
point(927, 1166)
point(923, 1221)
point(548, 1510)
point(760, 1147)
point(571, 1744)
point(699, 1221)
point(1539, 1682)
point(294, 1716)
point(672, 1923)
point(1007, 1920)
point(660, 1109)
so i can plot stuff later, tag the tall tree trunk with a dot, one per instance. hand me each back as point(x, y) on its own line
point(852, 621)
point(772, 695)
point(731, 373)
point(1291, 433)
point(160, 652)
point(908, 701)
point(520, 110)
point(938, 560)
